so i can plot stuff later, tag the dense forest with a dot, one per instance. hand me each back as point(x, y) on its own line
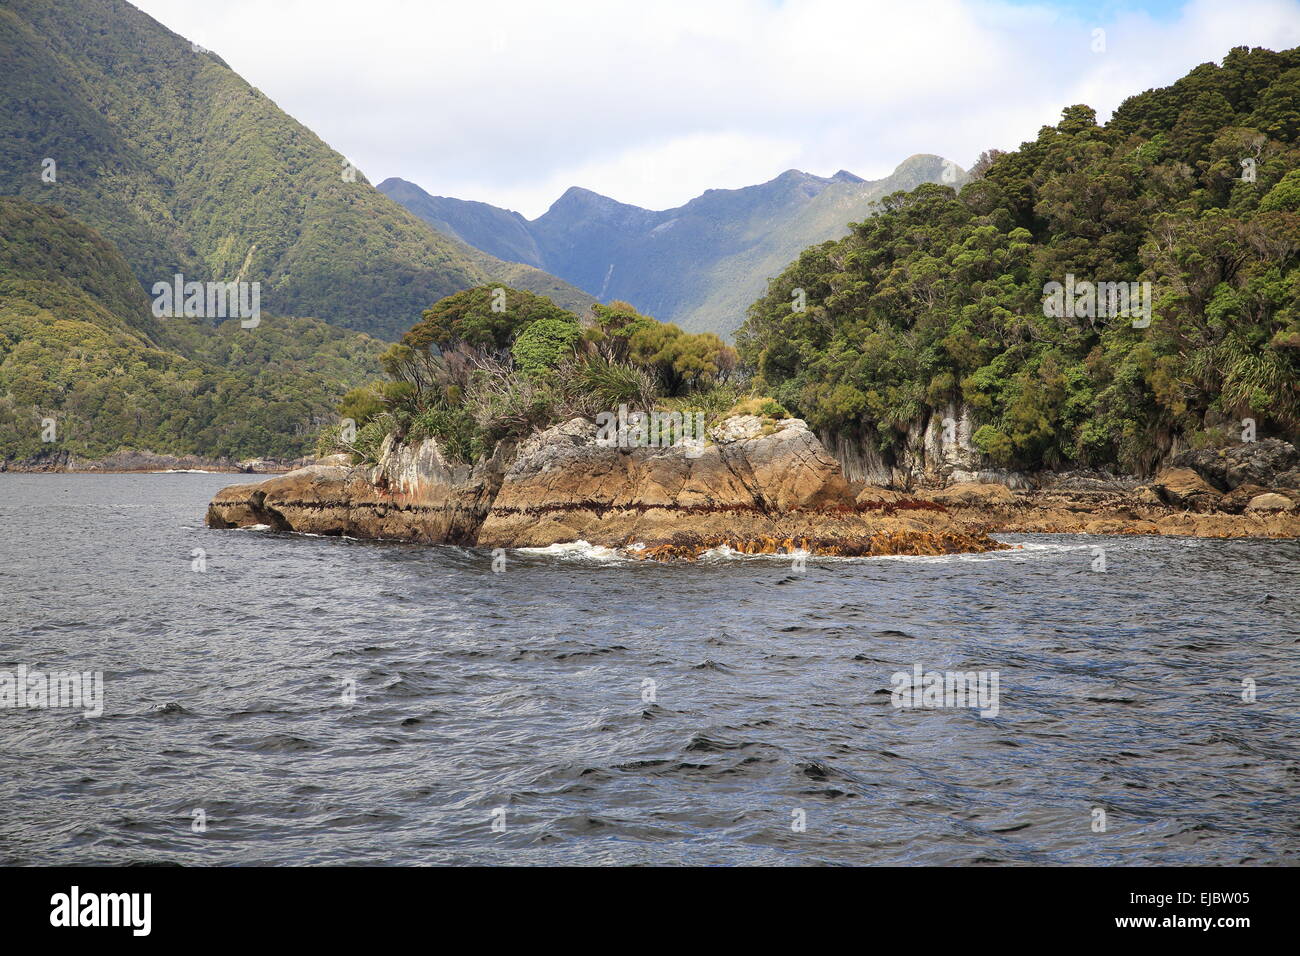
point(939, 299)
point(80, 346)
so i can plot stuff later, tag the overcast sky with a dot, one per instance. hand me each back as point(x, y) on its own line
point(654, 101)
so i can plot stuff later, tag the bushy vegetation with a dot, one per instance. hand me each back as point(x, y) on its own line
point(493, 364)
point(79, 344)
point(939, 298)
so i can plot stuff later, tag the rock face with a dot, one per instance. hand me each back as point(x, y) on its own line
point(1258, 463)
point(752, 490)
point(563, 486)
point(413, 494)
point(936, 450)
point(1184, 488)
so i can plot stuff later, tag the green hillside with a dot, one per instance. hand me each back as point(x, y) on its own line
point(79, 344)
point(186, 168)
point(1194, 188)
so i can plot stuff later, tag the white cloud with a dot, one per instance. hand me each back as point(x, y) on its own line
point(512, 101)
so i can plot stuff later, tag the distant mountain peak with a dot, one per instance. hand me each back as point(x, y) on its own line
point(580, 192)
point(583, 205)
point(578, 197)
point(926, 163)
point(843, 176)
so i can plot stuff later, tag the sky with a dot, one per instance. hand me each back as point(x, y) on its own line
point(513, 101)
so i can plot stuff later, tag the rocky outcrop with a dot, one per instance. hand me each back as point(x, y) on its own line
point(758, 487)
point(936, 450)
point(753, 489)
point(563, 486)
point(413, 494)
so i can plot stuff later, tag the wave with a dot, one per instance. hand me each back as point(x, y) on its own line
point(599, 554)
point(581, 551)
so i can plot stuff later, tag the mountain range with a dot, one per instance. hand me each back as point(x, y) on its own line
point(699, 265)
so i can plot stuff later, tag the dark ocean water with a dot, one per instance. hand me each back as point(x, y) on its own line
point(225, 692)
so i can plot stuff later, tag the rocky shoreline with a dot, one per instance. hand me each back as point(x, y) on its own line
point(759, 487)
point(144, 462)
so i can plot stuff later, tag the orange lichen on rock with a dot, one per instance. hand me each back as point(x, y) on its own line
point(691, 548)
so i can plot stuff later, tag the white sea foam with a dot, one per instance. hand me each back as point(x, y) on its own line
point(1018, 552)
point(726, 553)
point(585, 551)
point(578, 551)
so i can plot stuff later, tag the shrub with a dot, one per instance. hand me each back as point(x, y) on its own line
point(993, 443)
point(454, 429)
point(609, 384)
point(760, 406)
point(544, 344)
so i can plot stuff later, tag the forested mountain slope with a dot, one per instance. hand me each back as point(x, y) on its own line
point(187, 168)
